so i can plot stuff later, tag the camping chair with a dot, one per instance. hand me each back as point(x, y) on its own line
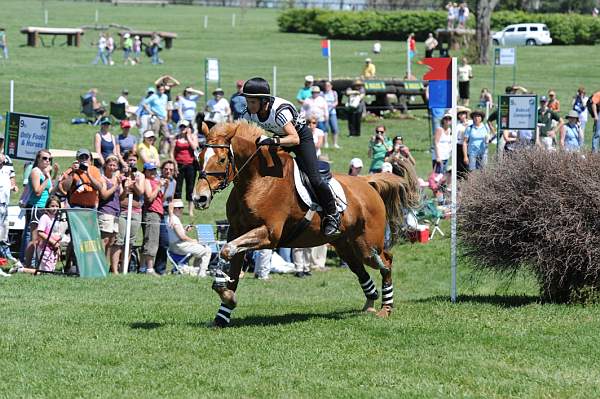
point(178, 261)
point(87, 108)
point(429, 213)
point(206, 236)
point(118, 110)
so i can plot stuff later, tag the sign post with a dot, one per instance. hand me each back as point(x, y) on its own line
point(211, 74)
point(517, 112)
point(326, 51)
point(25, 135)
point(504, 57)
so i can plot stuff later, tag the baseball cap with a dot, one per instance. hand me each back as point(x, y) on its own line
point(367, 60)
point(83, 151)
point(387, 167)
point(356, 163)
point(184, 123)
point(543, 99)
point(151, 89)
point(125, 91)
point(149, 166)
point(149, 133)
point(177, 203)
point(315, 89)
point(309, 78)
point(125, 124)
point(105, 121)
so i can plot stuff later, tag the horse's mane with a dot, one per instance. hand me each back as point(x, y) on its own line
point(241, 129)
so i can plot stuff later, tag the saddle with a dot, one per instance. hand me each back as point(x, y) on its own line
point(307, 193)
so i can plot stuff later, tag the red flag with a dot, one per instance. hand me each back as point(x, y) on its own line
point(440, 68)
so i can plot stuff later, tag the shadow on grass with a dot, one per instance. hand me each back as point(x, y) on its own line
point(503, 301)
point(145, 325)
point(285, 319)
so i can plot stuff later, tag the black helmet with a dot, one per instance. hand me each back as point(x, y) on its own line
point(256, 87)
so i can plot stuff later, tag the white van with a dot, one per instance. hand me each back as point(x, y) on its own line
point(522, 35)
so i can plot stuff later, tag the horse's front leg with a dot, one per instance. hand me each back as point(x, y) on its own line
point(258, 238)
point(234, 251)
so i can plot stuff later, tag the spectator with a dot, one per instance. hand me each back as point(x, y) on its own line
point(377, 47)
point(355, 106)
point(109, 208)
point(412, 46)
point(475, 143)
point(132, 182)
point(546, 131)
point(442, 143)
point(105, 143)
point(110, 48)
point(579, 105)
point(181, 244)
point(182, 152)
point(168, 82)
point(430, 45)
point(553, 102)
point(238, 101)
point(387, 167)
point(305, 92)
point(126, 141)
point(155, 48)
point(463, 123)
point(463, 15)
point(302, 261)
point(318, 134)
point(485, 99)
point(331, 97)
point(167, 171)
point(379, 145)
point(316, 107)
point(594, 110)
point(124, 99)
point(571, 137)
point(399, 152)
point(101, 55)
point(156, 106)
point(7, 185)
point(82, 182)
point(188, 102)
point(356, 166)
point(451, 17)
point(3, 43)
point(137, 50)
point(152, 215)
point(40, 187)
point(143, 113)
point(218, 108)
point(369, 69)
point(465, 74)
point(127, 49)
point(146, 151)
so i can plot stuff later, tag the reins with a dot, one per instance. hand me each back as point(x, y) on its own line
point(225, 175)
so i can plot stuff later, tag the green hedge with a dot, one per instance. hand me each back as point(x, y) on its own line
point(396, 25)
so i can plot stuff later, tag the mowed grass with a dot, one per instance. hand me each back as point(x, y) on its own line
point(134, 336)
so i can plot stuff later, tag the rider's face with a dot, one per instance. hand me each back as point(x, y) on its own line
point(253, 105)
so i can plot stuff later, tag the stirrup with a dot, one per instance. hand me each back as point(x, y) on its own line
point(332, 222)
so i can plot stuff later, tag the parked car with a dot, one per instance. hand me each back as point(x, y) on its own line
point(522, 35)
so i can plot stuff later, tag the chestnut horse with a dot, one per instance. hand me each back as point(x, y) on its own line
point(263, 210)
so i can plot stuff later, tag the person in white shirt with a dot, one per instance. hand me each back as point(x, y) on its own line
point(187, 103)
point(7, 185)
point(101, 55)
point(465, 74)
point(318, 135)
point(218, 109)
point(181, 244)
point(316, 107)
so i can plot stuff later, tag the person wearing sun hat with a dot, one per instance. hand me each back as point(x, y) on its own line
point(105, 143)
point(547, 121)
point(571, 137)
point(218, 109)
point(462, 114)
point(355, 106)
point(369, 69)
point(304, 91)
point(146, 150)
point(475, 144)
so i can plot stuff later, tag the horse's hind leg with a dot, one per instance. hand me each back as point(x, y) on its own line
point(383, 261)
point(354, 261)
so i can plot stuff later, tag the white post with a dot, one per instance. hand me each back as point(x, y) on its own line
point(12, 96)
point(408, 71)
point(233, 20)
point(127, 234)
point(45, 17)
point(274, 80)
point(206, 22)
point(329, 60)
point(453, 206)
point(97, 16)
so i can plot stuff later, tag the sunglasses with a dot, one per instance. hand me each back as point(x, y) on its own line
point(47, 159)
point(379, 131)
point(84, 156)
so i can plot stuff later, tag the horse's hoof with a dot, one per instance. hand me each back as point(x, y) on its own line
point(385, 312)
point(219, 323)
point(369, 306)
point(228, 251)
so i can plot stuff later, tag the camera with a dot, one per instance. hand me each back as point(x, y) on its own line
point(83, 166)
point(133, 169)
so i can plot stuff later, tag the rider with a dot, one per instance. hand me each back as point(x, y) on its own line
point(280, 117)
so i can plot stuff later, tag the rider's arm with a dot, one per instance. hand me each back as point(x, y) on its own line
point(291, 137)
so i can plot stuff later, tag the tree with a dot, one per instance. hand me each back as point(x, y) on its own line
point(484, 16)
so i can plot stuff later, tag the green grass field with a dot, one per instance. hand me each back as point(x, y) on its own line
point(136, 336)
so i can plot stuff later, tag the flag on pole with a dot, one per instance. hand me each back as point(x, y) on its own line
point(325, 48)
point(440, 82)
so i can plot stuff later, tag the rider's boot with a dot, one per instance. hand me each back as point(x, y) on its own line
point(331, 225)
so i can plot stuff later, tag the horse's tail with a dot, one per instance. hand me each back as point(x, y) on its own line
point(397, 193)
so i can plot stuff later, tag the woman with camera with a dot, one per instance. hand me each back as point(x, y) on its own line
point(399, 152)
point(379, 145)
point(182, 152)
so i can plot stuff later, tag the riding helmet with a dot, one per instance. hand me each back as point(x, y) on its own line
point(256, 87)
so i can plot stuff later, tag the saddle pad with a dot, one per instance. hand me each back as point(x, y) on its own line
point(334, 186)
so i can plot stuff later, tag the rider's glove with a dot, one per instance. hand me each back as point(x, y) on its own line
point(273, 142)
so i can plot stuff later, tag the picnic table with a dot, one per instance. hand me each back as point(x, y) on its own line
point(34, 32)
point(166, 36)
